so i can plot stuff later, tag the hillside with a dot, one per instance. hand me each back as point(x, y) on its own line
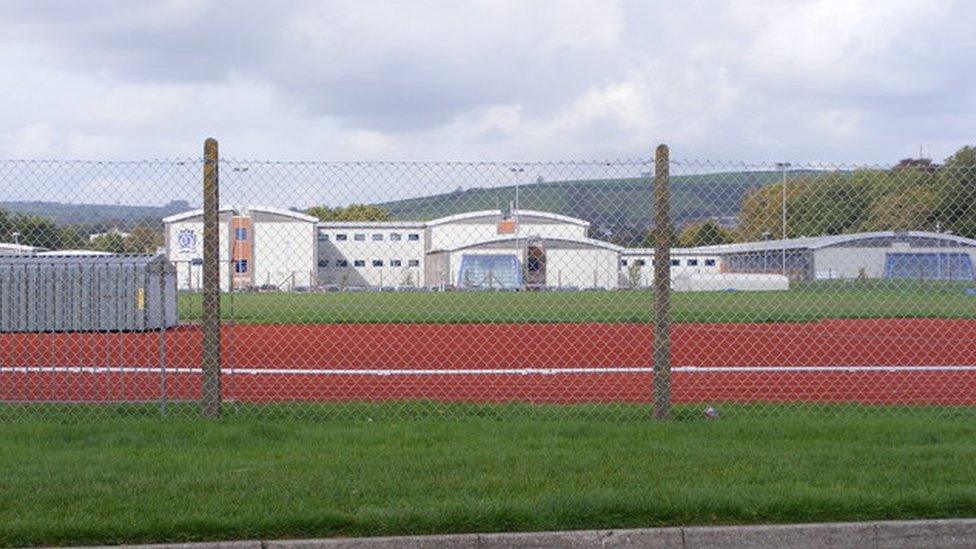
point(619, 209)
point(611, 205)
point(92, 214)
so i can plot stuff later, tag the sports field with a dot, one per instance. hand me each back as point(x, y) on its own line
point(803, 303)
point(146, 479)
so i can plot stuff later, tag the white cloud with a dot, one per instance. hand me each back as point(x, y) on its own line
point(753, 80)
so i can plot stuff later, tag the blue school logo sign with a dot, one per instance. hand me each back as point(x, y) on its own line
point(187, 240)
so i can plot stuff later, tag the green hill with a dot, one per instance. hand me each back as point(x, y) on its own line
point(618, 208)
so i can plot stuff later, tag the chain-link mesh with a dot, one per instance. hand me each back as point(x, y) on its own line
point(401, 289)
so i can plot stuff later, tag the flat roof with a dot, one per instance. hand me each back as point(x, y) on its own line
point(371, 224)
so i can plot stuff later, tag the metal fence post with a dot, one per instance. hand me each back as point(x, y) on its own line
point(211, 396)
point(662, 285)
point(162, 338)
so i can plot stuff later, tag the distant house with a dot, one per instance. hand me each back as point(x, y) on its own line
point(110, 232)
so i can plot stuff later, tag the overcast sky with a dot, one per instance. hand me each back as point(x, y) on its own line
point(842, 80)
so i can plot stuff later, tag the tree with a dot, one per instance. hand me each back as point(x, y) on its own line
point(912, 209)
point(143, 240)
point(634, 274)
point(38, 231)
point(112, 243)
point(352, 212)
point(705, 234)
point(825, 204)
point(956, 197)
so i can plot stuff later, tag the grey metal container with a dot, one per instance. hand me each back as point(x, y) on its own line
point(87, 293)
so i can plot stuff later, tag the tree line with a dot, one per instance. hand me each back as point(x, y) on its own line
point(42, 232)
point(914, 195)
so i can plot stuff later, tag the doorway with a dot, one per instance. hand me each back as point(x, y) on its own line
point(535, 267)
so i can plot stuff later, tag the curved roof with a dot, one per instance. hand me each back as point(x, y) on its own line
point(819, 242)
point(191, 214)
point(228, 209)
point(465, 215)
point(553, 216)
point(498, 213)
point(284, 213)
point(511, 238)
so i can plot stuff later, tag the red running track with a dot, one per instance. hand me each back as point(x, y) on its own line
point(713, 362)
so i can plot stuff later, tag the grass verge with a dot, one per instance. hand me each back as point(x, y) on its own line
point(138, 478)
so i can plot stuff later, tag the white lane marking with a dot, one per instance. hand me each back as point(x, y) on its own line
point(472, 371)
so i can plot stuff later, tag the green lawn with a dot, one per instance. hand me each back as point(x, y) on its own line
point(805, 302)
point(123, 478)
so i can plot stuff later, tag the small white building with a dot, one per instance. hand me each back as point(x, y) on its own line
point(8, 249)
point(111, 232)
point(913, 255)
point(637, 265)
point(259, 247)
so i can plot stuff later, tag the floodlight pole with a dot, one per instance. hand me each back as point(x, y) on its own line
point(783, 166)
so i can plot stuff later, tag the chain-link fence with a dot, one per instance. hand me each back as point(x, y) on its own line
point(452, 288)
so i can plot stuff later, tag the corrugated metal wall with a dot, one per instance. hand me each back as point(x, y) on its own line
point(87, 294)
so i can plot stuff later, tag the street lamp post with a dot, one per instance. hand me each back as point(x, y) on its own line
point(783, 166)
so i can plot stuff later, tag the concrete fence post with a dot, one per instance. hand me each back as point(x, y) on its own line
point(662, 285)
point(211, 397)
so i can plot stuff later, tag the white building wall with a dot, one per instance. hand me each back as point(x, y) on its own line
point(332, 249)
point(284, 253)
point(688, 264)
point(550, 229)
point(847, 262)
point(582, 268)
point(184, 244)
point(454, 234)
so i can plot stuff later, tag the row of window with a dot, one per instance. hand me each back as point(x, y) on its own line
point(674, 262)
point(375, 237)
point(362, 263)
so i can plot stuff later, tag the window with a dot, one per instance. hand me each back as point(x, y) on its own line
point(413, 237)
point(396, 237)
point(709, 262)
point(240, 233)
point(377, 237)
point(359, 237)
point(377, 262)
point(323, 263)
point(692, 262)
point(396, 263)
point(413, 263)
point(675, 262)
point(240, 266)
point(341, 236)
point(323, 236)
point(623, 262)
point(342, 263)
point(641, 262)
point(359, 263)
